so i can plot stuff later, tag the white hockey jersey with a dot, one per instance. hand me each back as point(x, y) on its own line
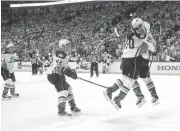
point(8, 61)
point(57, 64)
point(149, 40)
point(133, 47)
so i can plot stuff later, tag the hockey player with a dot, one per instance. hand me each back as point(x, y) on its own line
point(108, 59)
point(56, 76)
point(145, 73)
point(106, 62)
point(131, 62)
point(7, 72)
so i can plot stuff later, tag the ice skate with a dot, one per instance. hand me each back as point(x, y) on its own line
point(14, 95)
point(116, 102)
point(6, 97)
point(155, 100)
point(75, 110)
point(108, 94)
point(63, 113)
point(141, 101)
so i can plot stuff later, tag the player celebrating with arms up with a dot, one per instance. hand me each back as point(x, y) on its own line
point(131, 62)
point(56, 76)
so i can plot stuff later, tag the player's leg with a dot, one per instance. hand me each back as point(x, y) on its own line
point(58, 83)
point(145, 75)
point(104, 67)
point(91, 69)
point(136, 87)
point(33, 69)
point(151, 87)
point(71, 100)
point(96, 69)
point(127, 84)
point(6, 78)
point(108, 66)
point(110, 90)
point(36, 68)
point(12, 87)
point(130, 71)
point(137, 91)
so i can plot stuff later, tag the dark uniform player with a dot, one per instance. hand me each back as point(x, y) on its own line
point(7, 71)
point(131, 63)
point(56, 76)
point(145, 72)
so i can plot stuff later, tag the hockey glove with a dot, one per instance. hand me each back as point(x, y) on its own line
point(74, 74)
point(70, 72)
point(12, 77)
point(152, 53)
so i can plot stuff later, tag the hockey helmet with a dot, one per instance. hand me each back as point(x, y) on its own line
point(137, 23)
point(63, 42)
point(10, 45)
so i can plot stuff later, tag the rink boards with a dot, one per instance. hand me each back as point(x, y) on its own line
point(157, 68)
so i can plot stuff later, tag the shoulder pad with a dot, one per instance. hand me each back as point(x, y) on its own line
point(130, 34)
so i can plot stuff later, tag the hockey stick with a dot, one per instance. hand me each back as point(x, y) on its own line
point(151, 62)
point(92, 82)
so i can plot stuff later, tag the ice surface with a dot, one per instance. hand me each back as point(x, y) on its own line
point(36, 108)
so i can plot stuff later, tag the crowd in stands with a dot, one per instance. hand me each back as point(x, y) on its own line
point(90, 27)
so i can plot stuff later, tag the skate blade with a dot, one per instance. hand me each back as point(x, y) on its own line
point(65, 117)
point(114, 104)
point(76, 113)
point(106, 96)
point(142, 103)
point(14, 97)
point(156, 103)
point(6, 99)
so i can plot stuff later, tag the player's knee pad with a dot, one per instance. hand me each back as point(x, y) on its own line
point(147, 80)
point(135, 85)
point(70, 94)
point(119, 83)
point(62, 96)
point(9, 83)
point(149, 83)
point(127, 81)
point(127, 84)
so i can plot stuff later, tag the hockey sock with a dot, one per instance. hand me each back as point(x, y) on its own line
point(62, 100)
point(124, 91)
point(72, 103)
point(70, 97)
point(5, 91)
point(12, 89)
point(151, 87)
point(61, 107)
point(137, 90)
point(113, 88)
point(153, 92)
point(126, 85)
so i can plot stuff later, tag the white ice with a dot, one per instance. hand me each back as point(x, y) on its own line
point(36, 108)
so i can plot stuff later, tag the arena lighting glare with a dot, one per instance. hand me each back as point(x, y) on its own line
point(47, 4)
point(38, 4)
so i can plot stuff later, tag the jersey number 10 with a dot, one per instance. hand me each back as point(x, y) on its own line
point(130, 44)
